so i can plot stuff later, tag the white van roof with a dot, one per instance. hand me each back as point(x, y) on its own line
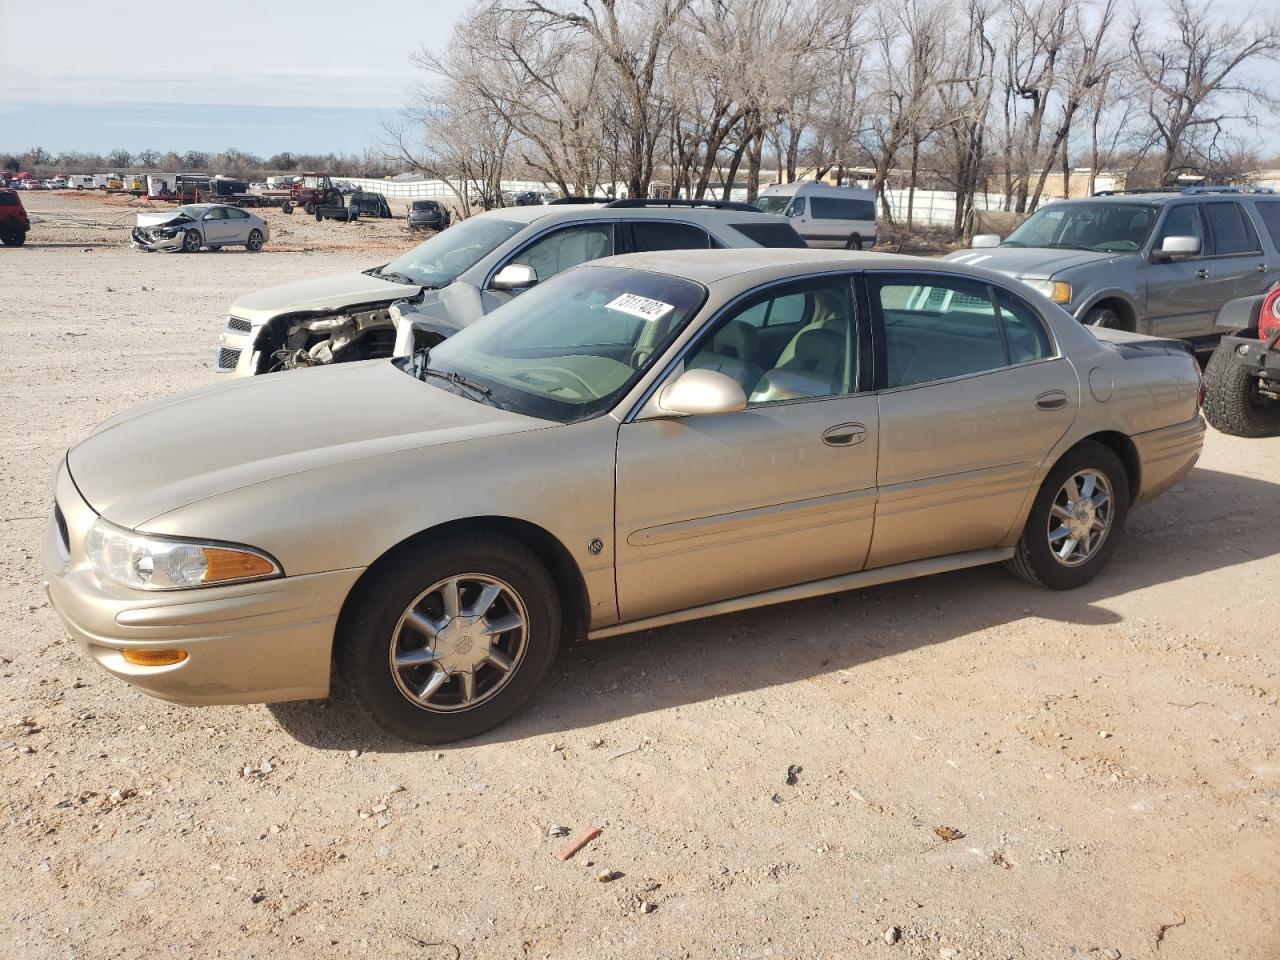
point(807, 186)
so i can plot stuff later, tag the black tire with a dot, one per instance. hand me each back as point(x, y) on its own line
point(318, 217)
point(1233, 404)
point(286, 207)
point(254, 243)
point(215, 247)
point(192, 241)
point(1033, 559)
point(309, 207)
point(334, 199)
point(1103, 317)
point(854, 242)
point(13, 238)
point(369, 623)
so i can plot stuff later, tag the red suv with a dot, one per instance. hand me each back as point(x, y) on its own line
point(14, 223)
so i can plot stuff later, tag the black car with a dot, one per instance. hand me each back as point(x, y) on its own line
point(428, 215)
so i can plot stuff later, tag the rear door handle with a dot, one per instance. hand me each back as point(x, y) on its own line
point(1052, 400)
point(1202, 274)
point(844, 435)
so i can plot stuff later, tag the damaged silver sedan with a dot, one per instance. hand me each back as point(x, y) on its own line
point(197, 226)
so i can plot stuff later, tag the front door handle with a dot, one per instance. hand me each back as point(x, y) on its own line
point(1262, 268)
point(844, 435)
point(1052, 400)
point(1202, 274)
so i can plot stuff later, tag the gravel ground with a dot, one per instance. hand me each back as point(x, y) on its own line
point(775, 784)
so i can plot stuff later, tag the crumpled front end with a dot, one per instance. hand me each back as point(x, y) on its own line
point(165, 239)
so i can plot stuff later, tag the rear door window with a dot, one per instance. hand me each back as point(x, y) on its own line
point(650, 235)
point(1232, 232)
point(770, 234)
point(1269, 211)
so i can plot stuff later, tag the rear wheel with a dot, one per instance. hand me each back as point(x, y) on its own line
point(446, 642)
point(191, 241)
point(309, 207)
point(13, 238)
point(254, 243)
point(854, 242)
point(1234, 402)
point(286, 207)
point(1076, 521)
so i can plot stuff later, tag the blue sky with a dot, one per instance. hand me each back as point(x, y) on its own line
point(106, 76)
point(99, 76)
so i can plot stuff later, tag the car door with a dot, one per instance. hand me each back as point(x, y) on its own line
point(237, 225)
point(1180, 296)
point(216, 225)
point(555, 251)
point(1239, 265)
point(975, 395)
point(783, 492)
point(650, 235)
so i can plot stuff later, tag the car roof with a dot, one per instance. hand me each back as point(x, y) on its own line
point(777, 263)
point(590, 211)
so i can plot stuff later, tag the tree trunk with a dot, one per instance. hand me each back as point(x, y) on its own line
point(911, 181)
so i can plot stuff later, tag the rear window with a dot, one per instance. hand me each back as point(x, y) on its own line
point(1269, 211)
point(840, 208)
point(1232, 231)
point(772, 234)
point(8, 200)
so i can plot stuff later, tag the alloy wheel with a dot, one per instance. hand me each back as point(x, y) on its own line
point(1080, 518)
point(459, 642)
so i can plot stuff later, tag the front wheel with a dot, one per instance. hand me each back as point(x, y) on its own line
point(286, 207)
point(13, 238)
point(1076, 521)
point(1103, 317)
point(1233, 402)
point(309, 208)
point(254, 243)
point(447, 640)
point(854, 242)
point(191, 241)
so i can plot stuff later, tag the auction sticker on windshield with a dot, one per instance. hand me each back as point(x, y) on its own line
point(642, 307)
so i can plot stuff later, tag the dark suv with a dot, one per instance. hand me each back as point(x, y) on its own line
point(14, 222)
point(428, 215)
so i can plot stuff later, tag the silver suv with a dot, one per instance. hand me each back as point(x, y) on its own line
point(464, 272)
point(1162, 263)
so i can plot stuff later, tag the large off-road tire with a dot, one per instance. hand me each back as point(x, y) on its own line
point(431, 665)
point(254, 243)
point(286, 207)
point(854, 242)
point(13, 238)
point(334, 198)
point(1076, 521)
point(192, 241)
point(1103, 317)
point(1233, 404)
point(309, 208)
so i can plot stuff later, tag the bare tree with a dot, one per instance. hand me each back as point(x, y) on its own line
point(1191, 78)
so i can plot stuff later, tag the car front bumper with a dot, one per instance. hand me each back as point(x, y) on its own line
point(146, 240)
point(260, 642)
point(1261, 358)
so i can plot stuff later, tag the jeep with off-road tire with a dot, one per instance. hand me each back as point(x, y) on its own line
point(14, 222)
point(1242, 379)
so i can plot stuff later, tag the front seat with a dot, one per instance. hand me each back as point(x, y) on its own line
point(813, 363)
point(732, 351)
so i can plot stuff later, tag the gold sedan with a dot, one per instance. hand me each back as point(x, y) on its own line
point(640, 441)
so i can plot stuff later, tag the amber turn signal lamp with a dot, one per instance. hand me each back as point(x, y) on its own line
point(234, 565)
point(154, 658)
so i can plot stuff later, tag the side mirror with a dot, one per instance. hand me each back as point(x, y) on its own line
point(985, 241)
point(1175, 247)
point(515, 276)
point(700, 392)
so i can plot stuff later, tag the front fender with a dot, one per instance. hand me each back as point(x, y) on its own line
point(1110, 293)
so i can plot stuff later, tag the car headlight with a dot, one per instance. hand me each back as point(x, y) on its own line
point(1056, 290)
point(160, 563)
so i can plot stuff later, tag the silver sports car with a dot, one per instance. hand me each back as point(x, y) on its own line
point(196, 226)
point(640, 441)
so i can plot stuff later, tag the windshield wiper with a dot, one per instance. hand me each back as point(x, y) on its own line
point(422, 371)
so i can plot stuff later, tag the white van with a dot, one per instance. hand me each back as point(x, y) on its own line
point(80, 181)
point(826, 216)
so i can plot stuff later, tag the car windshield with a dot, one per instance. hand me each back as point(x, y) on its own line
point(570, 348)
point(1104, 227)
point(773, 204)
point(192, 211)
point(439, 261)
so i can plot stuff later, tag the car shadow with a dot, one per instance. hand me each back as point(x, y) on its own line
point(1210, 521)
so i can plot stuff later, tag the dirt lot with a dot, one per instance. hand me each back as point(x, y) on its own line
point(1111, 756)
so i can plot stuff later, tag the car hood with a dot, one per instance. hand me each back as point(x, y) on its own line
point(160, 219)
point(1033, 262)
point(179, 450)
point(322, 294)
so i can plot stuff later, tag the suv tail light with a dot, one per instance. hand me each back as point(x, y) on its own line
point(1269, 314)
